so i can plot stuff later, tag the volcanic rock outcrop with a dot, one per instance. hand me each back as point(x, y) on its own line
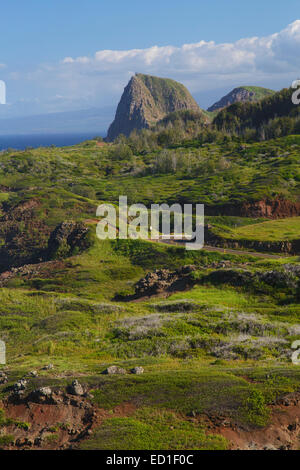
point(241, 94)
point(145, 101)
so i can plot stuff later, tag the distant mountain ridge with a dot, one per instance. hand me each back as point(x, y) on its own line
point(80, 121)
point(278, 108)
point(240, 95)
point(146, 100)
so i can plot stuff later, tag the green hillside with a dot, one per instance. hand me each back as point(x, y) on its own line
point(242, 94)
point(259, 92)
point(213, 336)
point(273, 115)
point(272, 230)
point(162, 88)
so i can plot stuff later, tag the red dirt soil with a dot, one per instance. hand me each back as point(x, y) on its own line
point(60, 425)
point(282, 433)
point(267, 208)
point(65, 423)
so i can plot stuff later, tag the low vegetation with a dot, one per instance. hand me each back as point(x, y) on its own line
point(219, 346)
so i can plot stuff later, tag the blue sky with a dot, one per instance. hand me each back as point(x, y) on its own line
point(53, 58)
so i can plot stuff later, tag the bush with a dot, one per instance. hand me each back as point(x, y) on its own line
point(6, 440)
point(257, 412)
point(178, 306)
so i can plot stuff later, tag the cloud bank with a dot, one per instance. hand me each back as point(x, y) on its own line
point(272, 54)
point(271, 61)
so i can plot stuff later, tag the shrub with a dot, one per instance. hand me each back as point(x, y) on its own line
point(257, 412)
point(178, 306)
point(6, 440)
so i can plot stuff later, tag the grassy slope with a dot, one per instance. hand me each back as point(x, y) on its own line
point(72, 323)
point(254, 114)
point(78, 177)
point(70, 319)
point(162, 88)
point(275, 230)
point(260, 92)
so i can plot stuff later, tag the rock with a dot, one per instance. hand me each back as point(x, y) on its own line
point(233, 277)
point(72, 432)
point(187, 269)
point(32, 373)
point(137, 370)
point(45, 391)
point(162, 280)
point(19, 389)
point(48, 367)
point(38, 441)
point(67, 237)
point(20, 385)
point(20, 442)
point(292, 399)
point(252, 445)
point(154, 282)
point(2, 352)
point(15, 223)
point(113, 370)
point(287, 446)
point(240, 94)
point(146, 100)
point(42, 394)
point(3, 378)
point(293, 269)
point(76, 388)
point(279, 278)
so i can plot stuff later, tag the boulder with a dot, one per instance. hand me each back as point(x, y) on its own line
point(113, 370)
point(279, 279)
point(42, 394)
point(230, 276)
point(20, 385)
point(48, 367)
point(76, 388)
point(32, 373)
point(3, 378)
point(45, 391)
point(293, 269)
point(162, 280)
point(137, 370)
point(66, 239)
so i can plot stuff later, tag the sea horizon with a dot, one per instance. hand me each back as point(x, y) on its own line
point(23, 141)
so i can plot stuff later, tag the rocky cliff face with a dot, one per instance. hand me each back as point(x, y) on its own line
point(241, 94)
point(145, 101)
point(268, 208)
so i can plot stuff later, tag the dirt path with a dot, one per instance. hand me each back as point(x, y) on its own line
point(256, 254)
point(171, 241)
point(241, 252)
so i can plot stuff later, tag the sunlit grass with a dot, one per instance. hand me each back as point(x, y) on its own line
point(217, 296)
point(273, 230)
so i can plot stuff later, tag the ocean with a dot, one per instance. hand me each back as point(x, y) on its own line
point(21, 142)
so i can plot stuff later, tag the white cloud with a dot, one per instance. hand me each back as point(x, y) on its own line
point(68, 60)
point(278, 51)
point(100, 79)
